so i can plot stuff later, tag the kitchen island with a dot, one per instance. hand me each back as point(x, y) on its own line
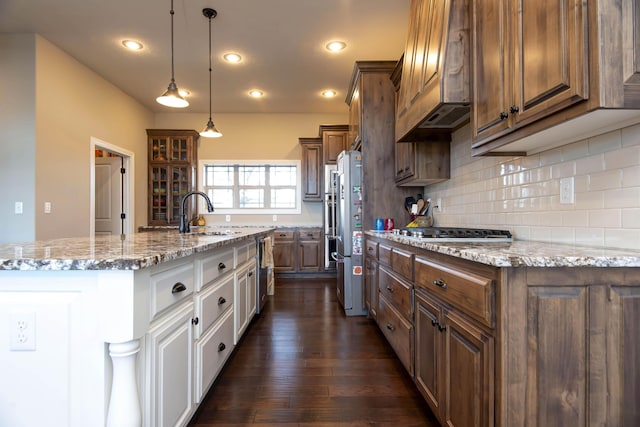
point(121, 330)
point(511, 333)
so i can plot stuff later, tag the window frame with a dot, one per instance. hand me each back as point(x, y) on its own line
point(251, 211)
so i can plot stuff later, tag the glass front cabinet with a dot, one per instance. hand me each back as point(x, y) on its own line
point(172, 174)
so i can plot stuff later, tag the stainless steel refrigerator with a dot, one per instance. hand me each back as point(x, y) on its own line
point(349, 234)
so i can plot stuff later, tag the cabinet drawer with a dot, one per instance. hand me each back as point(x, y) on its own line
point(213, 302)
point(384, 254)
point(171, 286)
point(470, 293)
point(396, 291)
point(245, 253)
point(402, 263)
point(211, 352)
point(309, 234)
point(217, 265)
point(284, 234)
point(398, 332)
point(372, 249)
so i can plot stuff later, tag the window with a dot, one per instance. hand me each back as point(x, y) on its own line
point(259, 187)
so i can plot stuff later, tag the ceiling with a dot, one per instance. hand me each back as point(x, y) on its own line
point(281, 41)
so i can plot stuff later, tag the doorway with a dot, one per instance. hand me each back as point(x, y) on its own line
point(112, 193)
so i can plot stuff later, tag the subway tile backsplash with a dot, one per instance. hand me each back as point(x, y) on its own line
point(522, 194)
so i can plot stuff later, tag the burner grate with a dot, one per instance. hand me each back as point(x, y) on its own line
point(456, 233)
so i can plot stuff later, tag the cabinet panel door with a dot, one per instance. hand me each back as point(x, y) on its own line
point(556, 76)
point(332, 144)
point(170, 369)
point(623, 350)
point(491, 94)
point(309, 255)
point(558, 351)
point(428, 351)
point(312, 172)
point(284, 255)
point(469, 375)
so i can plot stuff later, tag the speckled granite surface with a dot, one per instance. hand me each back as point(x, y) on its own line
point(133, 252)
point(524, 253)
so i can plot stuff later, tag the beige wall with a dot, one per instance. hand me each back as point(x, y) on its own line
point(256, 137)
point(523, 193)
point(17, 136)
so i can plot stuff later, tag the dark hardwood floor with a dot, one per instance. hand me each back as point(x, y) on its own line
point(303, 363)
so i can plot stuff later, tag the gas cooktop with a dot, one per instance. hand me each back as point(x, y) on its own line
point(453, 234)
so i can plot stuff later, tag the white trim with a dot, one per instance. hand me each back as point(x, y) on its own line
point(296, 210)
point(128, 184)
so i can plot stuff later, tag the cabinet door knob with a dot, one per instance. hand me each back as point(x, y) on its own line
point(221, 300)
point(250, 273)
point(440, 283)
point(390, 327)
point(221, 347)
point(389, 288)
point(178, 287)
point(442, 327)
point(195, 321)
point(514, 109)
point(503, 115)
point(434, 322)
point(221, 266)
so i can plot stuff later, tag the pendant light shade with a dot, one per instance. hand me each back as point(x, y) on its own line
point(210, 130)
point(172, 97)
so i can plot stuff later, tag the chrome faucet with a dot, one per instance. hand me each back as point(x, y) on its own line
point(184, 224)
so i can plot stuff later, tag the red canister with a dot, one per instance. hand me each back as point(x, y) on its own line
point(388, 224)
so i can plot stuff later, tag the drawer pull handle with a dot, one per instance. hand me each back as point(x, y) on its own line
point(195, 321)
point(283, 235)
point(390, 327)
point(221, 300)
point(250, 273)
point(389, 288)
point(178, 287)
point(442, 327)
point(221, 347)
point(221, 266)
point(440, 282)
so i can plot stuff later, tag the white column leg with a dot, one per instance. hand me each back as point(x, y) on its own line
point(124, 403)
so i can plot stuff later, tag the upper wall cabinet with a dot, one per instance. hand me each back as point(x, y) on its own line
point(435, 90)
point(334, 141)
point(538, 65)
point(311, 169)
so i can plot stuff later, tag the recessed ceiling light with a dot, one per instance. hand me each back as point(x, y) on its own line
point(336, 46)
point(256, 93)
point(184, 92)
point(232, 57)
point(329, 93)
point(132, 44)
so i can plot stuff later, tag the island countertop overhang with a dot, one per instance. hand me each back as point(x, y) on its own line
point(127, 252)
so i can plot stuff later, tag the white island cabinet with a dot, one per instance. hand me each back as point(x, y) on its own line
point(119, 332)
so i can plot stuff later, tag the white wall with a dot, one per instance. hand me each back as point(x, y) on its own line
point(256, 137)
point(522, 194)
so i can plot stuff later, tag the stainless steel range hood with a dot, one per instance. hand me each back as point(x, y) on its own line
point(433, 76)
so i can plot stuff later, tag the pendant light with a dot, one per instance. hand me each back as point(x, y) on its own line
point(172, 97)
point(210, 130)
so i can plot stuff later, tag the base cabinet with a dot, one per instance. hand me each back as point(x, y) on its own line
point(454, 365)
point(170, 369)
point(298, 250)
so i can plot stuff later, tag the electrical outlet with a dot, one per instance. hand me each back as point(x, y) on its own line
point(275, 218)
point(18, 208)
point(47, 207)
point(227, 218)
point(439, 205)
point(22, 328)
point(567, 194)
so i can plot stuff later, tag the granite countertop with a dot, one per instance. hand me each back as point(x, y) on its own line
point(130, 252)
point(523, 253)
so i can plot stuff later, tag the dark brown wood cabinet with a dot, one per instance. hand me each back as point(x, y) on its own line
point(172, 166)
point(334, 141)
point(298, 250)
point(435, 90)
point(312, 170)
point(284, 250)
point(372, 91)
point(516, 346)
point(309, 249)
point(520, 89)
